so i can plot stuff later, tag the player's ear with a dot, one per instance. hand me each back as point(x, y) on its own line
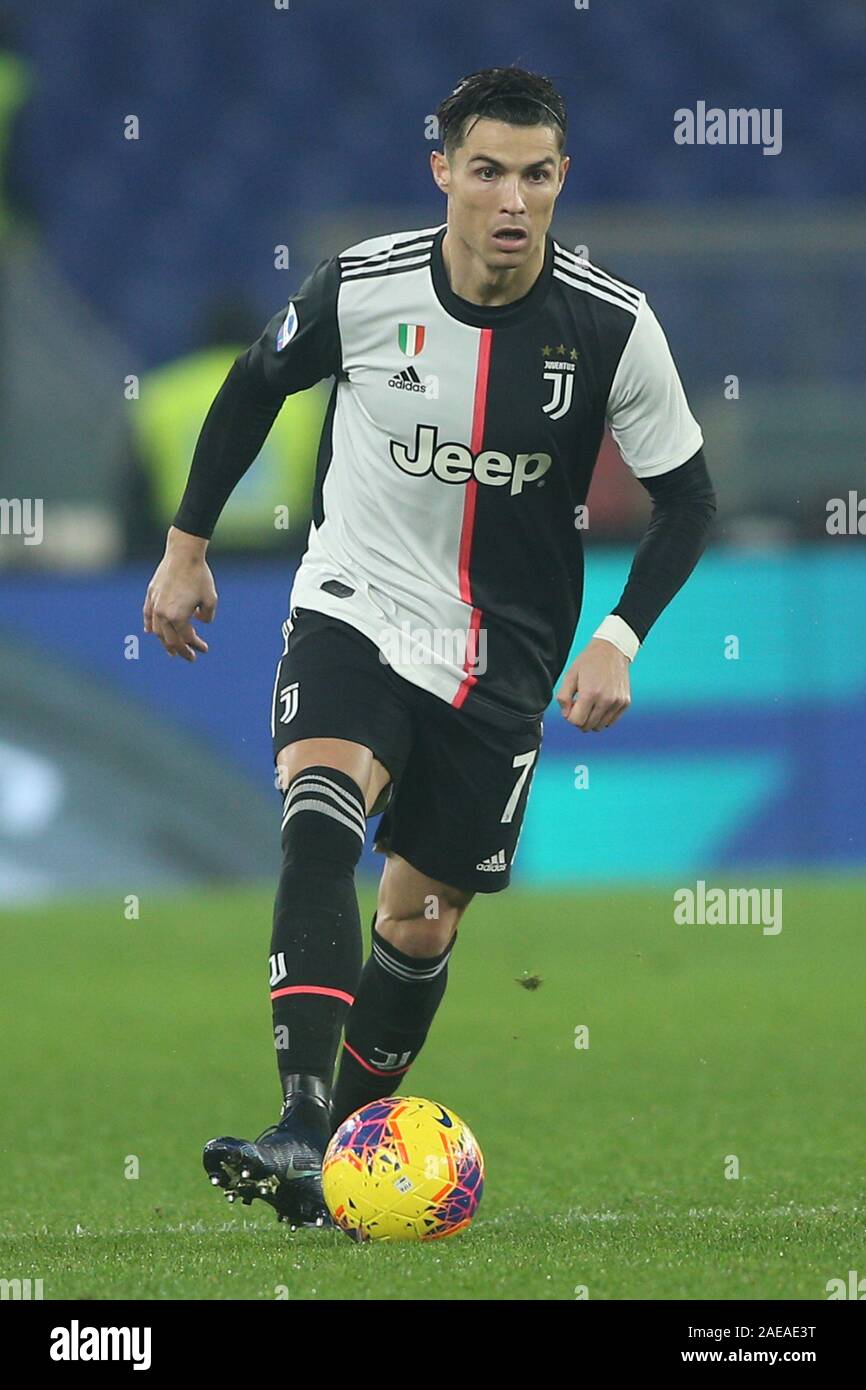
point(440, 170)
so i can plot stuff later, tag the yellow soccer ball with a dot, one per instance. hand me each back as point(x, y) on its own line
point(402, 1168)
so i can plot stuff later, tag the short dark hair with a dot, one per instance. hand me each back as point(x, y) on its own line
point(507, 94)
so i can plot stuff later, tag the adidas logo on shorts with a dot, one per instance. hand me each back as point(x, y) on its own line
point(407, 380)
point(496, 864)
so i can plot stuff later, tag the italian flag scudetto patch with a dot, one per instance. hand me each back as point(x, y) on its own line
point(410, 336)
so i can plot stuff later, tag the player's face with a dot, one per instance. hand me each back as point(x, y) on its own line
point(502, 185)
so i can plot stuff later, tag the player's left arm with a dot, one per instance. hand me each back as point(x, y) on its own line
point(661, 442)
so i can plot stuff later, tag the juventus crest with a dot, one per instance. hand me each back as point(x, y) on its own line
point(562, 376)
point(289, 702)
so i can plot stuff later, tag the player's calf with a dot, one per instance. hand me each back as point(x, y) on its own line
point(401, 986)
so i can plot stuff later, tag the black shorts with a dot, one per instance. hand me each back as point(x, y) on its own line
point(459, 786)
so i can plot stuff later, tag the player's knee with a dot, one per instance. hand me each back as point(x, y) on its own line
point(425, 932)
point(324, 819)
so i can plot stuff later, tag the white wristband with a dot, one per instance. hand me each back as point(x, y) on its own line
point(618, 632)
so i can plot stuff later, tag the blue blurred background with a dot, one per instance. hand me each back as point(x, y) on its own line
point(171, 171)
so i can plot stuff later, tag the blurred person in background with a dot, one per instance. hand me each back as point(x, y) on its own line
point(270, 508)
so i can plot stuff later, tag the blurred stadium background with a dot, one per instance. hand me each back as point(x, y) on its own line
point(133, 269)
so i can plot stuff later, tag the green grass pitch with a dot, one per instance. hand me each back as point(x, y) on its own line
point(605, 1165)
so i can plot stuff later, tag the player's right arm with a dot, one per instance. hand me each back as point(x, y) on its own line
point(300, 346)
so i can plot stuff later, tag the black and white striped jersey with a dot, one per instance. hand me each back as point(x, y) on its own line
point(457, 448)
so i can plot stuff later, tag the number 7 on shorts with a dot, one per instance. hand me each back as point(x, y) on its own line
point(523, 761)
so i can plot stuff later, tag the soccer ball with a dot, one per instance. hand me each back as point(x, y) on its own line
point(402, 1169)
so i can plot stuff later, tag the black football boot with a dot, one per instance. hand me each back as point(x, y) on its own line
point(284, 1165)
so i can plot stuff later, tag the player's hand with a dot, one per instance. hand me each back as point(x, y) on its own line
point(181, 588)
point(599, 679)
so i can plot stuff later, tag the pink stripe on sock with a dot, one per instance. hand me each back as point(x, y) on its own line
point(377, 1071)
point(313, 989)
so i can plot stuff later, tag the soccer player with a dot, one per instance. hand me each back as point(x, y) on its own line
point(475, 365)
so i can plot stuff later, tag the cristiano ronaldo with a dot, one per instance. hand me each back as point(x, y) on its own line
point(475, 366)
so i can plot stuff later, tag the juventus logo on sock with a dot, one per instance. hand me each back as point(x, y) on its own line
point(390, 1061)
point(278, 971)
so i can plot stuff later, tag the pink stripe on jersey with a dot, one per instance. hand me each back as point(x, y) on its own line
point(479, 412)
point(313, 989)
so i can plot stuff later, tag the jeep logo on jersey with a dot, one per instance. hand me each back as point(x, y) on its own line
point(288, 328)
point(454, 463)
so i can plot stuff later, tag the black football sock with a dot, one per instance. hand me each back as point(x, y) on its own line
point(316, 947)
point(388, 1022)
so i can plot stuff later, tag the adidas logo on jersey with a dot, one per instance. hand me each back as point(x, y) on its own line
point(496, 864)
point(454, 463)
point(407, 380)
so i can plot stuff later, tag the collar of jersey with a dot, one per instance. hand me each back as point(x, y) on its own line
point(488, 316)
